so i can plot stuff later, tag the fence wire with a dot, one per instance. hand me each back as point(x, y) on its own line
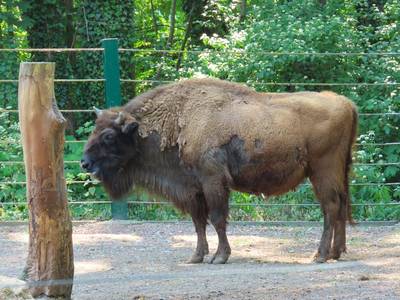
point(149, 81)
point(4, 110)
point(69, 182)
point(5, 142)
point(78, 162)
point(172, 51)
point(235, 52)
point(232, 204)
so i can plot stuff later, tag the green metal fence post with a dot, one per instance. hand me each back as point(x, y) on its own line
point(119, 209)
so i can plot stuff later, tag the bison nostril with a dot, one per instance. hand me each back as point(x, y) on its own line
point(84, 164)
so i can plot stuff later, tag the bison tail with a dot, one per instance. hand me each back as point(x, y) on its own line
point(349, 161)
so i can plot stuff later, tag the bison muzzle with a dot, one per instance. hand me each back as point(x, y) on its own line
point(196, 140)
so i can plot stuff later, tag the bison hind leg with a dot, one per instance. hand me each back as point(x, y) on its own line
point(339, 233)
point(328, 194)
point(333, 240)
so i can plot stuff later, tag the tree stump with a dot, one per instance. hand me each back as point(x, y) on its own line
point(50, 265)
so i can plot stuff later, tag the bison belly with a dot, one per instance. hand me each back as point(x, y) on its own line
point(268, 171)
point(274, 179)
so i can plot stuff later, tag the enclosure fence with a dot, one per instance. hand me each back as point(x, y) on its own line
point(112, 81)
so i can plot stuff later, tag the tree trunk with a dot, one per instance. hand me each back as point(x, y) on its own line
point(169, 44)
point(71, 62)
point(243, 10)
point(50, 266)
point(153, 15)
point(171, 24)
point(186, 37)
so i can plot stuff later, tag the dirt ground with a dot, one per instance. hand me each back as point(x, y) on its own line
point(117, 260)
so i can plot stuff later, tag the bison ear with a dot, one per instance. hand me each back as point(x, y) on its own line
point(127, 122)
point(129, 128)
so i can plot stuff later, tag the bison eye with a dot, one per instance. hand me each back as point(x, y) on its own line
point(109, 138)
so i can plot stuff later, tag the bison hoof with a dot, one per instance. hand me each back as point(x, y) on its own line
point(196, 259)
point(219, 258)
point(319, 259)
point(336, 253)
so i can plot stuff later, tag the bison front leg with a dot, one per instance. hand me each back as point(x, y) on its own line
point(215, 179)
point(199, 215)
point(202, 245)
point(218, 219)
point(217, 200)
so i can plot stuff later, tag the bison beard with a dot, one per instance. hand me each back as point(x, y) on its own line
point(195, 140)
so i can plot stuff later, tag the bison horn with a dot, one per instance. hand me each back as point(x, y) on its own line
point(97, 111)
point(120, 119)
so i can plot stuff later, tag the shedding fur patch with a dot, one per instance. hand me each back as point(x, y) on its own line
point(200, 114)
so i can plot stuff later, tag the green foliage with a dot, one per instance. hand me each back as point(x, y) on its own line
point(239, 51)
point(11, 174)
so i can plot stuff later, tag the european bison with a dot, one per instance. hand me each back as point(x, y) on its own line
point(195, 140)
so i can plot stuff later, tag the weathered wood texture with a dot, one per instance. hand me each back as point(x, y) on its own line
point(50, 266)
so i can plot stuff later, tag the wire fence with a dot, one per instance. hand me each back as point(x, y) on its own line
point(69, 182)
point(92, 111)
point(148, 81)
point(6, 142)
point(20, 162)
point(241, 51)
point(135, 202)
point(256, 84)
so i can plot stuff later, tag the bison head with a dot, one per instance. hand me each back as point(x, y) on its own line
point(111, 149)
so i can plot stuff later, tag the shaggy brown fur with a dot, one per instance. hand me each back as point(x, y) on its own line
point(194, 140)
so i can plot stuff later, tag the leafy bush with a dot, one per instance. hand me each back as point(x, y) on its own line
point(263, 51)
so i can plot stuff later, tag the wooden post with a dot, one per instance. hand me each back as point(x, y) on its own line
point(119, 209)
point(50, 265)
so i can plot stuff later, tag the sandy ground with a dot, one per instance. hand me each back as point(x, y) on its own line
point(115, 260)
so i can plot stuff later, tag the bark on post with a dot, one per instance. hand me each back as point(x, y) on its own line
point(50, 265)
